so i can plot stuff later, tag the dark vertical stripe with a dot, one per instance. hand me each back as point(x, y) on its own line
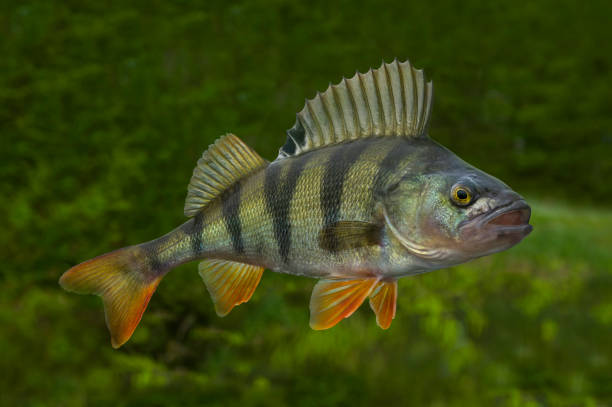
point(338, 166)
point(155, 263)
point(152, 250)
point(279, 194)
point(273, 206)
point(388, 165)
point(196, 233)
point(231, 216)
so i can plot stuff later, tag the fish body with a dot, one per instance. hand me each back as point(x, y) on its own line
point(358, 197)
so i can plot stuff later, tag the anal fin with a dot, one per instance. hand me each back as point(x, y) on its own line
point(332, 300)
point(229, 283)
point(382, 301)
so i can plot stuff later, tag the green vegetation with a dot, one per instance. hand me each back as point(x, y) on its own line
point(523, 327)
point(106, 106)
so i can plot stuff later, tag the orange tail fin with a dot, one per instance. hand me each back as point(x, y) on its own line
point(124, 280)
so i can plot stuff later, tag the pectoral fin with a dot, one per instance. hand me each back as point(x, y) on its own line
point(345, 235)
point(382, 302)
point(333, 300)
point(229, 283)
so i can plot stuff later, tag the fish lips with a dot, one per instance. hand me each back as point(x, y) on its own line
point(500, 228)
point(509, 219)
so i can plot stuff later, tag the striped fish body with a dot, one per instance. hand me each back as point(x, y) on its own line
point(358, 197)
point(278, 217)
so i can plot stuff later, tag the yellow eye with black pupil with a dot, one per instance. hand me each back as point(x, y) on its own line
point(461, 195)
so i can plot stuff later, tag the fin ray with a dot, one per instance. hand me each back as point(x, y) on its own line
point(123, 280)
point(383, 302)
point(393, 100)
point(344, 235)
point(332, 300)
point(229, 283)
point(225, 162)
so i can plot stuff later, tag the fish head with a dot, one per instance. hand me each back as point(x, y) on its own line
point(455, 213)
point(491, 216)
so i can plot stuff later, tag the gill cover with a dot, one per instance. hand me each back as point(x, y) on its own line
point(407, 208)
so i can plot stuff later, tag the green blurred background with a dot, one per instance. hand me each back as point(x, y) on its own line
point(106, 106)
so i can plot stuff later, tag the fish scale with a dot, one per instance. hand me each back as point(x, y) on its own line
point(358, 197)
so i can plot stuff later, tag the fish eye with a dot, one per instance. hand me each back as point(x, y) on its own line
point(461, 195)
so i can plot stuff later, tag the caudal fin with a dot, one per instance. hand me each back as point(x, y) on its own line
point(124, 281)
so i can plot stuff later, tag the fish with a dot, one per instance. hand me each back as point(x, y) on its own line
point(358, 197)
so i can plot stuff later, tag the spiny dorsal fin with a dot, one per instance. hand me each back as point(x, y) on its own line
point(225, 162)
point(393, 100)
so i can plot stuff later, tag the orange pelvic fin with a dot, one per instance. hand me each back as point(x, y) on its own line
point(229, 283)
point(333, 300)
point(123, 281)
point(382, 302)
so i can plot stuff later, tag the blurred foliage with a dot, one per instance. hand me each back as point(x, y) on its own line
point(106, 106)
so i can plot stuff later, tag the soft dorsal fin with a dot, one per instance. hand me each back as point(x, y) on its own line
point(225, 162)
point(393, 100)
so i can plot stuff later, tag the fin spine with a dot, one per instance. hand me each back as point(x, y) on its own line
point(393, 100)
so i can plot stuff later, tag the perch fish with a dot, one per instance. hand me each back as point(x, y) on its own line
point(358, 197)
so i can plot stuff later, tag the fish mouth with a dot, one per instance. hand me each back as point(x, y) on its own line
point(498, 229)
point(512, 218)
